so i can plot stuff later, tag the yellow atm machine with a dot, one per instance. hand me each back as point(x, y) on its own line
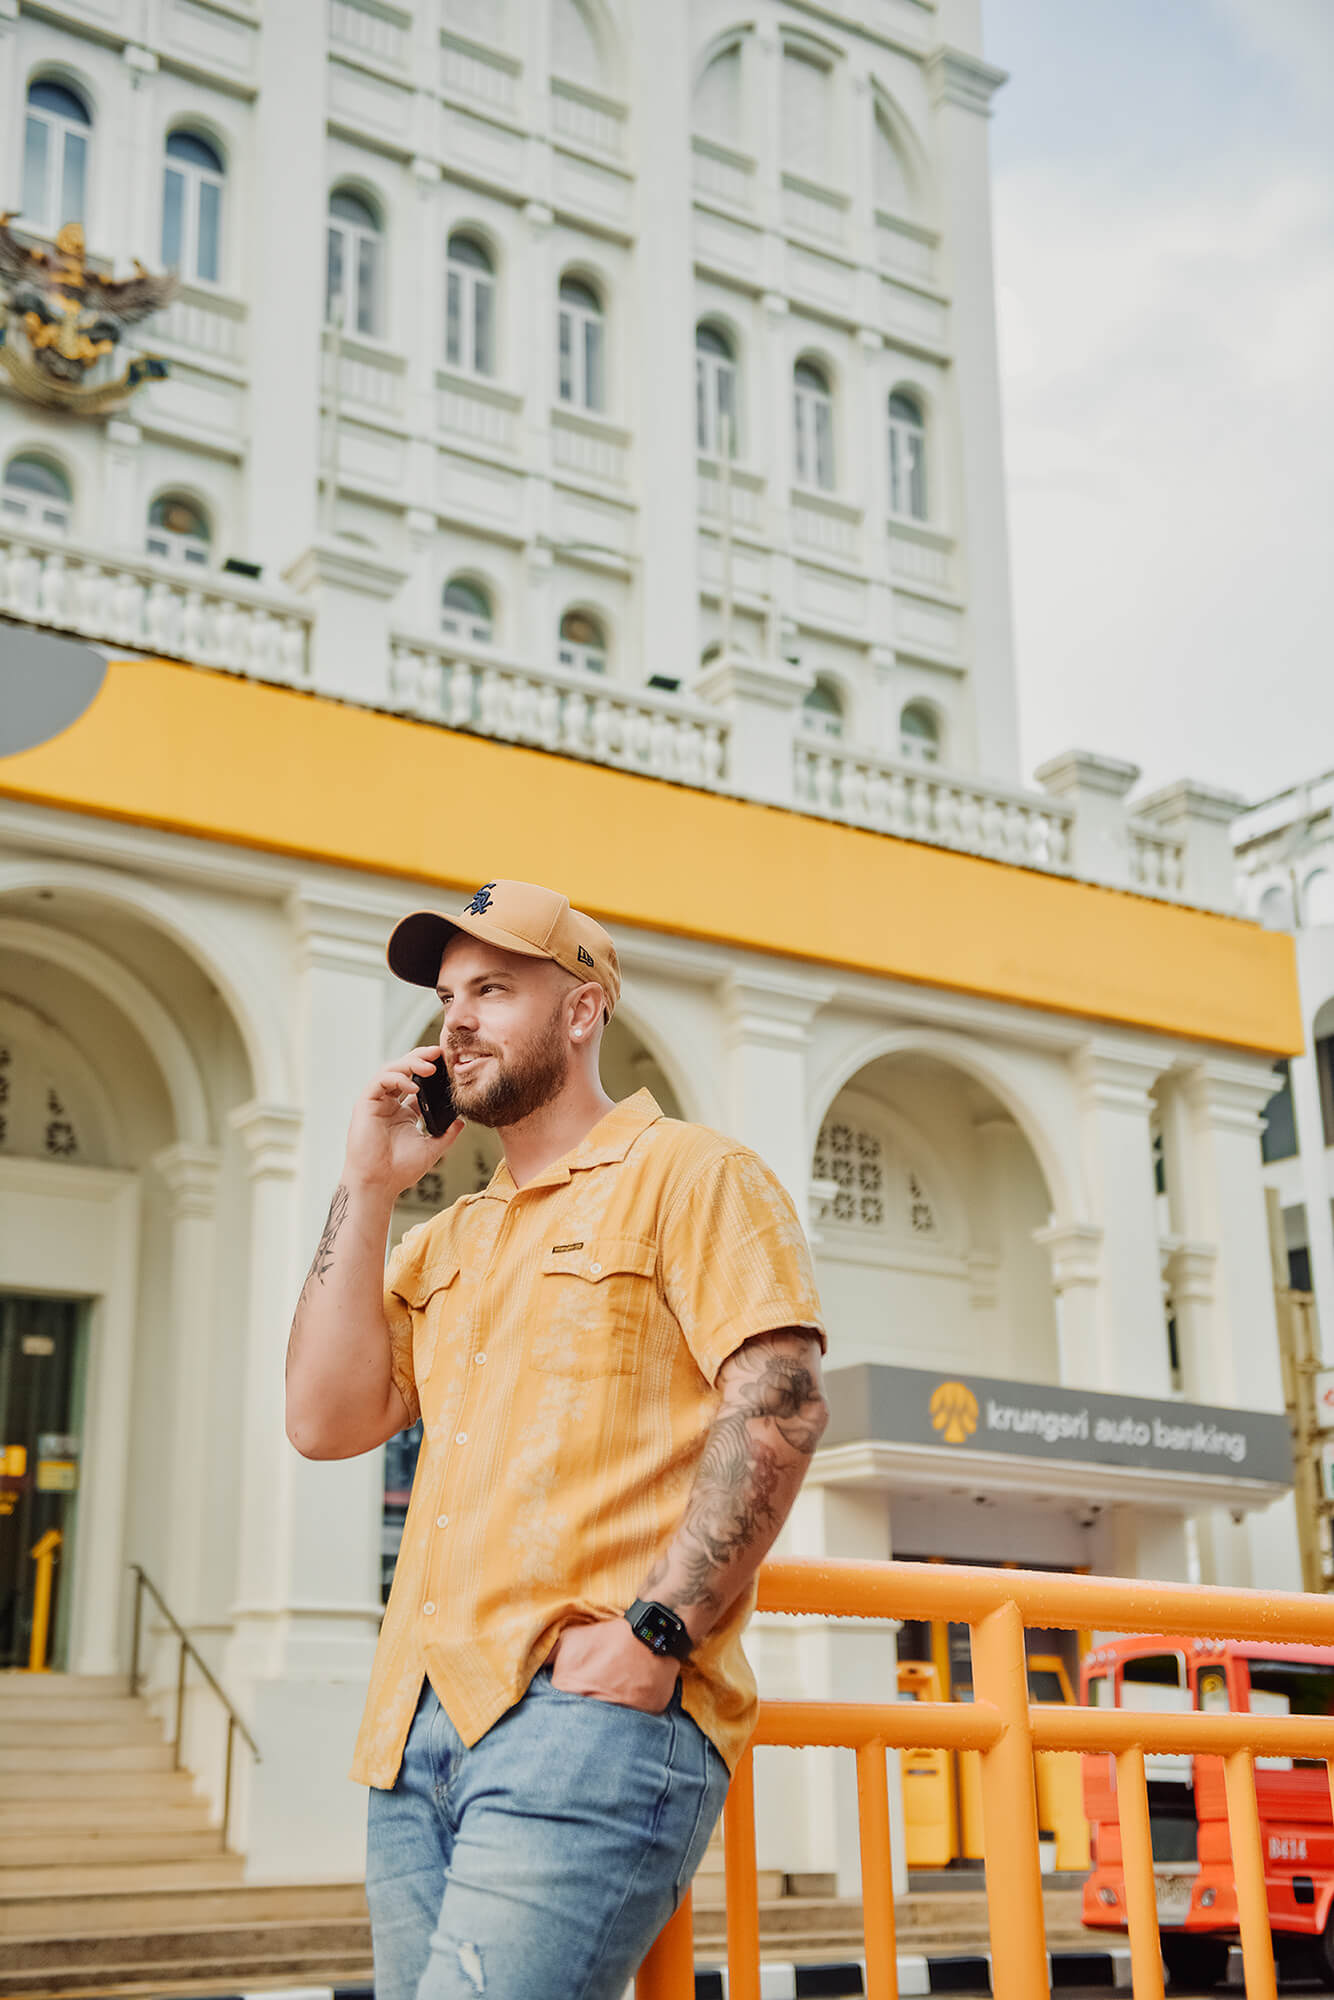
point(930, 1817)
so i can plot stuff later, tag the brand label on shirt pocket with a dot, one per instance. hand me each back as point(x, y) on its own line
point(430, 1302)
point(594, 1303)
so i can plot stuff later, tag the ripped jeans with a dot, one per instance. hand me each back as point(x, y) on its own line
point(542, 1863)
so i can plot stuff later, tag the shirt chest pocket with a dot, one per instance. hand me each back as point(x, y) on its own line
point(594, 1307)
point(434, 1300)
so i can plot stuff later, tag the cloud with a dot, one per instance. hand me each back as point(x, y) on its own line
point(1169, 435)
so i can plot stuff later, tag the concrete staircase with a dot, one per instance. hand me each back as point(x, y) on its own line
point(113, 1880)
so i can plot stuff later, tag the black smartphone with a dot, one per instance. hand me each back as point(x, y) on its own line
point(435, 1100)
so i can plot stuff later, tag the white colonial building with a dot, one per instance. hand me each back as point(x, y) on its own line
point(579, 459)
point(1285, 870)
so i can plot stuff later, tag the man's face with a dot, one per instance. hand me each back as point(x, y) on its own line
point(505, 1035)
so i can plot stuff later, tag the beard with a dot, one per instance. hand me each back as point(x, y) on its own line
point(516, 1088)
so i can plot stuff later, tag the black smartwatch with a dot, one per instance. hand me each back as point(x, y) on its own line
point(658, 1628)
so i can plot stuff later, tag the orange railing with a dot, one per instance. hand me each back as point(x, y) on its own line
point(1007, 1729)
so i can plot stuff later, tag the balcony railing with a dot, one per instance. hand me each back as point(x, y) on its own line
point(641, 730)
point(132, 601)
point(924, 802)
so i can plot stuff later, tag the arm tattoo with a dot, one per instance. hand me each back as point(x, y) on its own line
point(771, 1418)
point(322, 1262)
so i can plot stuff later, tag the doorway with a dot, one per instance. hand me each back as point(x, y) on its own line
point(43, 1358)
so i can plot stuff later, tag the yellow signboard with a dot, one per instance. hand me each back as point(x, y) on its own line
point(57, 1475)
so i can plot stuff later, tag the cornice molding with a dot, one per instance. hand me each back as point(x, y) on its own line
point(955, 78)
point(272, 1135)
point(191, 1175)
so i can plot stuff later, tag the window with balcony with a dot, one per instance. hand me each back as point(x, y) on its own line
point(466, 612)
point(354, 283)
point(813, 417)
point(807, 85)
point(581, 346)
point(919, 734)
point(715, 392)
point(822, 710)
point(192, 184)
point(178, 531)
point(56, 137)
point(907, 457)
point(583, 644)
point(36, 492)
point(470, 306)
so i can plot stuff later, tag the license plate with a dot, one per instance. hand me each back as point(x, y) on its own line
point(1173, 1896)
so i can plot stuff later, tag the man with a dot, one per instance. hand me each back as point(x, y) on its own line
point(614, 1350)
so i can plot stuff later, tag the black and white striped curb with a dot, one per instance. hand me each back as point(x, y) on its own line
point(960, 1972)
point(957, 1972)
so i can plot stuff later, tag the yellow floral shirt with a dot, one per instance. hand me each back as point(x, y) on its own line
point(561, 1342)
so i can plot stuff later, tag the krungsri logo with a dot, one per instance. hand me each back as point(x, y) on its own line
point(954, 1411)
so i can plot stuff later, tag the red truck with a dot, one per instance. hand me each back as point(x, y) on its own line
point(1197, 1898)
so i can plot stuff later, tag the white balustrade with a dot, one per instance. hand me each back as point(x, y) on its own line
point(592, 453)
point(917, 556)
point(369, 30)
point(597, 126)
point(366, 376)
point(746, 492)
point(814, 211)
point(922, 802)
point(210, 326)
point(475, 414)
point(725, 175)
point(577, 715)
point(479, 78)
point(833, 532)
point(142, 605)
point(1157, 861)
point(901, 248)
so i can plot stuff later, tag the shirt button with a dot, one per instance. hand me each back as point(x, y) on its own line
point(442, 1520)
point(460, 1437)
point(480, 1360)
point(595, 1268)
point(428, 1608)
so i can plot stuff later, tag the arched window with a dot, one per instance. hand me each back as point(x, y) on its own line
point(1318, 898)
point(55, 156)
point(581, 346)
point(806, 95)
point(891, 184)
point(877, 1190)
point(919, 734)
point(36, 491)
point(355, 278)
point(466, 611)
point(716, 112)
point(822, 710)
point(192, 183)
point(907, 457)
point(178, 530)
point(1276, 908)
point(470, 306)
point(583, 644)
point(715, 391)
point(814, 419)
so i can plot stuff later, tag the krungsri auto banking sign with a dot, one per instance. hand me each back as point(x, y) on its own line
point(1025, 1419)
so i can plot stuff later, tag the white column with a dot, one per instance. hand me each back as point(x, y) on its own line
point(124, 517)
point(536, 372)
point(137, 225)
point(191, 1175)
point(1225, 1099)
point(837, 1659)
point(1075, 1251)
point(665, 345)
point(766, 1036)
point(1130, 1333)
point(287, 234)
point(1096, 787)
point(1192, 1256)
point(1315, 1189)
point(961, 88)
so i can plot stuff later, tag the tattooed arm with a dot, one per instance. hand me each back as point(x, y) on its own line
point(755, 1457)
point(760, 1443)
point(341, 1397)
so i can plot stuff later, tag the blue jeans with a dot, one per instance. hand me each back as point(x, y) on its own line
point(542, 1863)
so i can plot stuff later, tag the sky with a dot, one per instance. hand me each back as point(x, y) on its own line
point(1163, 198)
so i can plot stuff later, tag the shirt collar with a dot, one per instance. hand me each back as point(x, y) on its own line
point(610, 1140)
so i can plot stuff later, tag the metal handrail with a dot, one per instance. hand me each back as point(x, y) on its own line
point(1007, 1728)
point(189, 1651)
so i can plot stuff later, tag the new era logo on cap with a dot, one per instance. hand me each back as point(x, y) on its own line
point(518, 917)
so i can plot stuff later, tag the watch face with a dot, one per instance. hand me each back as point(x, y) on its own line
point(657, 1628)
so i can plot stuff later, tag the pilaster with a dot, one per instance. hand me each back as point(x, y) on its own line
point(1075, 1249)
point(1129, 1330)
point(123, 517)
point(352, 592)
point(190, 1174)
point(766, 1035)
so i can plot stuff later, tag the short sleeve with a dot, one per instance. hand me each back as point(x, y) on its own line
point(399, 1316)
point(734, 1261)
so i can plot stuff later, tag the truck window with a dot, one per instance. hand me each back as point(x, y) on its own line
point(1290, 1687)
point(1155, 1684)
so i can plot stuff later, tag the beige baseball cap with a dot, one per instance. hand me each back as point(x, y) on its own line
point(517, 916)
